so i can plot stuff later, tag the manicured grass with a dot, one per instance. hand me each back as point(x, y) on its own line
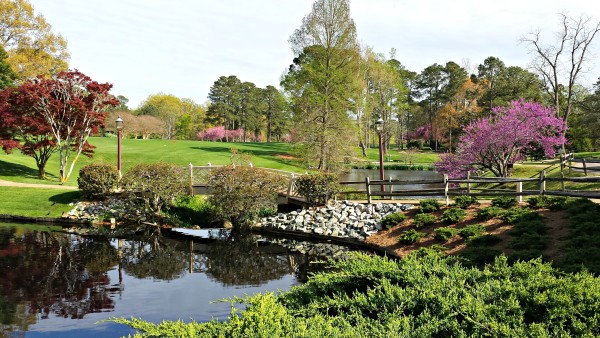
point(399, 157)
point(19, 168)
point(36, 202)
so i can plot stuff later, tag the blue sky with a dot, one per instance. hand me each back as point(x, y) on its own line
point(181, 47)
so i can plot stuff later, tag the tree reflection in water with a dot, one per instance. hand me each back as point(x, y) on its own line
point(51, 273)
point(45, 274)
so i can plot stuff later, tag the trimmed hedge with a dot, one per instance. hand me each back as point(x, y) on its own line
point(98, 179)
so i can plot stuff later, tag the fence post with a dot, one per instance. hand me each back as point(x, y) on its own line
point(562, 181)
point(191, 179)
point(542, 182)
point(570, 155)
point(562, 162)
point(584, 166)
point(391, 187)
point(367, 182)
point(519, 190)
point(446, 189)
point(468, 183)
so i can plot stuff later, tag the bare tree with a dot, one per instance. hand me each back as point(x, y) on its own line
point(563, 61)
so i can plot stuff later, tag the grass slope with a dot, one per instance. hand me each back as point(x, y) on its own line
point(19, 168)
point(36, 202)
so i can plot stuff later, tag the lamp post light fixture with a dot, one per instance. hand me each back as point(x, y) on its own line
point(379, 126)
point(119, 123)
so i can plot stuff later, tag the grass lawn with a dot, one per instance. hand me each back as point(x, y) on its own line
point(399, 156)
point(36, 202)
point(19, 168)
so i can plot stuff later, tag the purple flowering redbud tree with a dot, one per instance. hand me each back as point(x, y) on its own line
point(496, 142)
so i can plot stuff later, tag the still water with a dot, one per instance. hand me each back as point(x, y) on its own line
point(54, 284)
point(404, 175)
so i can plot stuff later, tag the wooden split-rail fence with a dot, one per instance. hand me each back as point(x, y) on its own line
point(588, 165)
point(442, 188)
point(473, 186)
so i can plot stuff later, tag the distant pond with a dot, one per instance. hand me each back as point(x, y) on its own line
point(54, 284)
point(405, 175)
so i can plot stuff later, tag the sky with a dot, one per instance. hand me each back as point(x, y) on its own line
point(181, 47)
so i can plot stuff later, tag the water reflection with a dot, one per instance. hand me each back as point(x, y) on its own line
point(50, 277)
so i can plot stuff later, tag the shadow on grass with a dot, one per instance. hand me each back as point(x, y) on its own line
point(66, 197)
point(13, 169)
point(265, 154)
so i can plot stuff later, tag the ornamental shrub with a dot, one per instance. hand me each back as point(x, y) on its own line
point(411, 236)
point(240, 193)
point(98, 179)
point(471, 231)
point(504, 202)
point(488, 213)
point(429, 205)
point(537, 202)
point(318, 188)
point(484, 240)
point(453, 215)
point(516, 215)
point(194, 210)
point(464, 201)
point(155, 184)
point(423, 220)
point(392, 220)
point(444, 233)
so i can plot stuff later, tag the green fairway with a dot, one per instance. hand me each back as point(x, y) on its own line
point(36, 202)
point(19, 168)
point(400, 156)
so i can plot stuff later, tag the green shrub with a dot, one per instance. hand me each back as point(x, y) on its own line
point(156, 184)
point(98, 179)
point(194, 210)
point(318, 188)
point(411, 236)
point(453, 215)
point(484, 240)
point(240, 193)
point(471, 231)
point(423, 220)
point(504, 202)
point(537, 227)
point(429, 205)
point(479, 255)
point(488, 213)
point(538, 202)
point(516, 215)
point(392, 220)
point(529, 241)
point(444, 233)
point(464, 201)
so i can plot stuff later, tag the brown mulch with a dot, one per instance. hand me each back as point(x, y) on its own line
point(388, 240)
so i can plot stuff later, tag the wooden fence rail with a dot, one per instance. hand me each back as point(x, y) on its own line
point(567, 160)
point(456, 187)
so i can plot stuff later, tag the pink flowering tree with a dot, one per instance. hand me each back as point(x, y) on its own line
point(212, 134)
point(497, 142)
point(235, 135)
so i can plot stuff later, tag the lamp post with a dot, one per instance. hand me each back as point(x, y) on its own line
point(379, 125)
point(119, 123)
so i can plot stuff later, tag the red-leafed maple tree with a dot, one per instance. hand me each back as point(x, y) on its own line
point(68, 108)
point(22, 128)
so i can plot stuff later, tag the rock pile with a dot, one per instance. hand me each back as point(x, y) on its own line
point(341, 219)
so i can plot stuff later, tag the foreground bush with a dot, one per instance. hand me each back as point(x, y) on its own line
point(411, 236)
point(504, 202)
point(453, 215)
point(464, 201)
point(421, 296)
point(392, 220)
point(155, 184)
point(98, 179)
point(423, 220)
point(318, 188)
point(429, 205)
point(194, 210)
point(240, 193)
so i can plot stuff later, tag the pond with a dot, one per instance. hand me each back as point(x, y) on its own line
point(404, 175)
point(54, 284)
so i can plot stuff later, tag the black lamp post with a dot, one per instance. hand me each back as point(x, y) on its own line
point(379, 126)
point(119, 123)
